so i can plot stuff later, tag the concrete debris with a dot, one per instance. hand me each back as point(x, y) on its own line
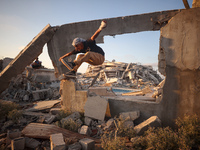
point(95, 107)
point(57, 142)
point(118, 74)
point(129, 115)
point(153, 121)
point(18, 143)
point(75, 146)
point(85, 130)
point(31, 143)
point(32, 85)
point(87, 144)
point(42, 105)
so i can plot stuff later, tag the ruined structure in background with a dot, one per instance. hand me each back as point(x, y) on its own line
point(26, 56)
point(178, 61)
point(32, 85)
point(119, 74)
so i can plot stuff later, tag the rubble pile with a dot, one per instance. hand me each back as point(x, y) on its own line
point(119, 74)
point(31, 85)
point(42, 126)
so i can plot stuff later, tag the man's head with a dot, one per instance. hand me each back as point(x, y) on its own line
point(78, 43)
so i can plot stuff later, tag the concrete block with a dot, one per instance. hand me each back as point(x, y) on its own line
point(85, 130)
point(57, 142)
point(50, 119)
point(129, 115)
point(75, 146)
point(18, 143)
point(87, 121)
point(153, 121)
point(79, 122)
point(12, 135)
point(74, 116)
point(95, 107)
point(31, 143)
point(109, 124)
point(128, 124)
point(87, 144)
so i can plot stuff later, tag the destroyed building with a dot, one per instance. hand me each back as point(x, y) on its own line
point(178, 62)
point(119, 74)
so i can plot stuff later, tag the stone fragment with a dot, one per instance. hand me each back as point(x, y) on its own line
point(31, 143)
point(12, 135)
point(18, 143)
point(50, 119)
point(41, 119)
point(128, 124)
point(109, 124)
point(71, 140)
point(75, 146)
point(85, 130)
point(55, 111)
point(57, 142)
point(133, 115)
point(79, 122)
point(87, 121)
point(87, 144)
point(74, 116)
point(95, 107)
point(153, 121)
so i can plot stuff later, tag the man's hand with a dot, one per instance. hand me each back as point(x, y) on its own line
point(60, 58)
point(103, 25)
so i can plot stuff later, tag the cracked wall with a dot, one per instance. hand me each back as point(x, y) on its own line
point(61, 43)
point(179, 61)
point(178, 56)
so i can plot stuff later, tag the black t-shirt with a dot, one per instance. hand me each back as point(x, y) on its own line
point(89, 45)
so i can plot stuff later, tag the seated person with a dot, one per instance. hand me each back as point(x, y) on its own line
point(37, 64)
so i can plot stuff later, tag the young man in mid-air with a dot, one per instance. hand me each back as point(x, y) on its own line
point(94, 54)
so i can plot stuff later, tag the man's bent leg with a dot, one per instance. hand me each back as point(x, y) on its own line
point(91, 58)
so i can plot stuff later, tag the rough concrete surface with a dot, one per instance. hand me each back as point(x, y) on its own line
point(61, 43)
point(25, 57)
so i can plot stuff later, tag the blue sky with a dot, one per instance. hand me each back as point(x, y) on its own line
point(22, 20)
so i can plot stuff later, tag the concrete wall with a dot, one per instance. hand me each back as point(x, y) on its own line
point(25, 57)
point(178, 59)
point(61, 43)
point(180, 62)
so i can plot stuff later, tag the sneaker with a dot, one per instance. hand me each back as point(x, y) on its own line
point(69, 65)
point(70, 73)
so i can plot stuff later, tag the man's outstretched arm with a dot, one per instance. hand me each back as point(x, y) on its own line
point(66, 55)
point(102, 26)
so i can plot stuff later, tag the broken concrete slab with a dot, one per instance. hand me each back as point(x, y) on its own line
point(26, 56)
point(133, 115)
point(102, 91)
point(55, 111)
point(75, 146)
point(72, 99)
point(128, 124)
point(57, 142)
point(31, 143)
point(43, 131)
point(95, 107)
point(18, 143)
point(153, 121)
point(87, 144)
point(42, 105)
point(74, 116)
point(85, 130)
point(87, 121)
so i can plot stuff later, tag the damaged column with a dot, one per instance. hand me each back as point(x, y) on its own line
point(179, 60)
